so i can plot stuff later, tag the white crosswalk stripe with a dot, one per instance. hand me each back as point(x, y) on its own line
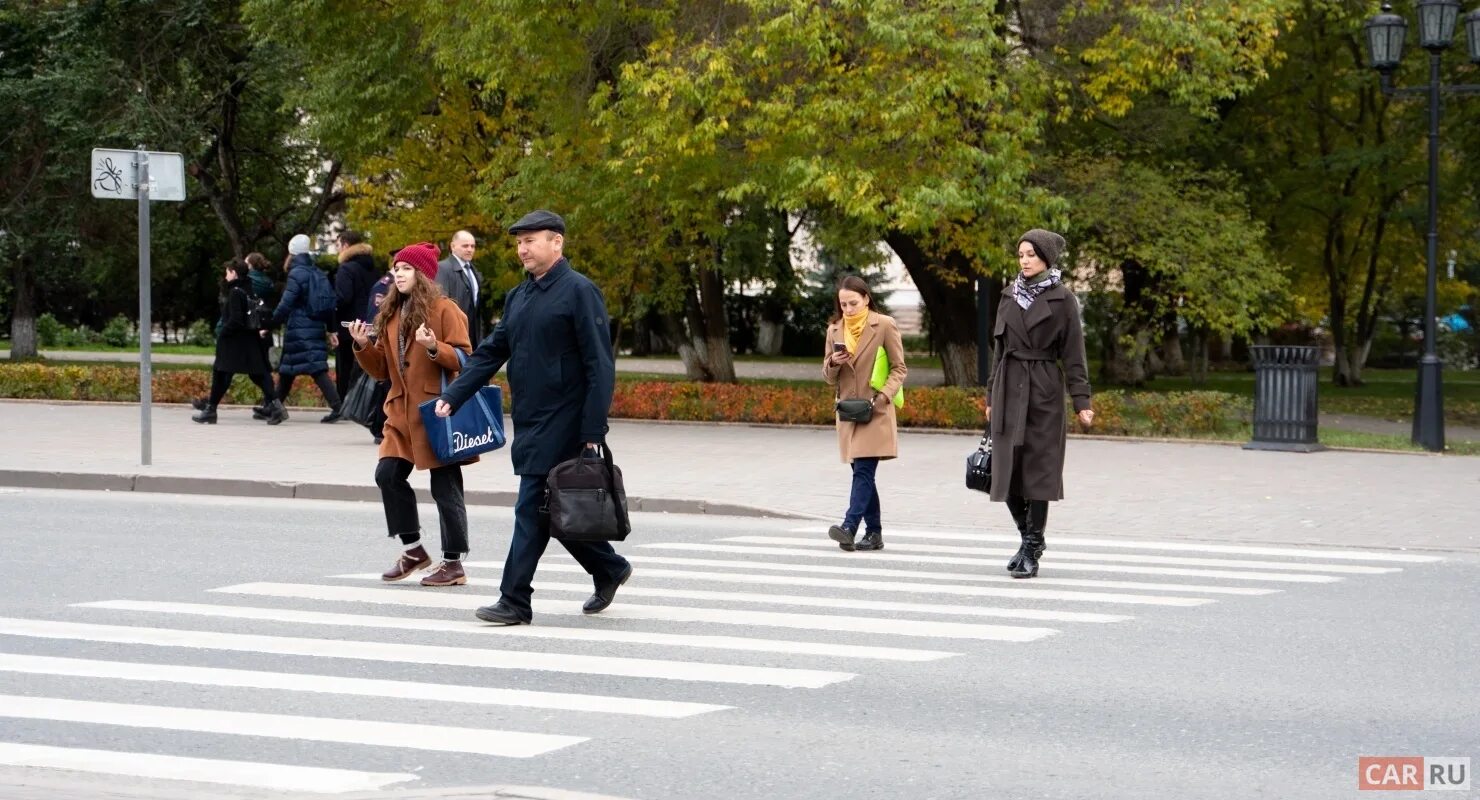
point(810, 616)
point(852, 601)
point(757, 545)
point(423, 654)
point(511, 744)
point(816, 622)
point(474, 627)
point(255, 775)
point(1181, 547)
point(853, 570)
point(335, 684)
point(1108, 558)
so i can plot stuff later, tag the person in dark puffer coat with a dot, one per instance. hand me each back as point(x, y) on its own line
point(305, 351)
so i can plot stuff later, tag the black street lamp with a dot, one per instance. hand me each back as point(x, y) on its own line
point(1385, 34)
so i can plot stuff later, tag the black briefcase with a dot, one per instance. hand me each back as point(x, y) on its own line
point(585, 500)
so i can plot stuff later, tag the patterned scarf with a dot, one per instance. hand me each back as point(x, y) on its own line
point(1026, 292)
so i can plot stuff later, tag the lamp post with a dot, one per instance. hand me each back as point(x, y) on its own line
point(1385, 34)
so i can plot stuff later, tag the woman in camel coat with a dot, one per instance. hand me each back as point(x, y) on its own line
point(416, 333)
point(854, 340)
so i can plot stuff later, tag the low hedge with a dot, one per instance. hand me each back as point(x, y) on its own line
point(1173, 414)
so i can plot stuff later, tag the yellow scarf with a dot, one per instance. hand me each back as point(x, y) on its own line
point(853, 329)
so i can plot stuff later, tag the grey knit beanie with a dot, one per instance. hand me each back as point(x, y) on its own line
point(1050, 245)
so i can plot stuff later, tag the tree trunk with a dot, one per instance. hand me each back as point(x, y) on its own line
point(769, 337)
point(1126, 364)
point(950, 305)
point(715, 327)
point(23, 311)
point(1172, 360)
point(693, 366)
point(1198, 363)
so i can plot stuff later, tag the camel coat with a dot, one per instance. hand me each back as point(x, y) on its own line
point(879, 437)
point(416, 380)
point(1026, 392)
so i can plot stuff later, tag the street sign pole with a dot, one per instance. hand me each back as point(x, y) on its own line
point(146, 324)
point(126, 175)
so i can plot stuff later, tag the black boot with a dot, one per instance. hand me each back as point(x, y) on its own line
point(872, 540)
point(200, 403)
point(333, 416)
point(207, 415)
point(262, 412)
point(1018, 508)
point(843, 535)
point(275, 413)
point(1033, 539)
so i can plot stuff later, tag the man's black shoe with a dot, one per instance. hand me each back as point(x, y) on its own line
point(605, 594)
point(500, 613)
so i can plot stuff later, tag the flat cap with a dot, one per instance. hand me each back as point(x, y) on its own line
point(540, 220)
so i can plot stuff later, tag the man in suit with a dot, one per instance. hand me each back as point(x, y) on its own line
point(555, 338)
point(458, 279)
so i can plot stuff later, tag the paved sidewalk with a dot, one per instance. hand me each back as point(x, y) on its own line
point(1130, 489)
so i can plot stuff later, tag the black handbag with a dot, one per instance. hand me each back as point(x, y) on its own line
point(855, 410)
point(585, 500)
point(359, 402)
point(979, 466)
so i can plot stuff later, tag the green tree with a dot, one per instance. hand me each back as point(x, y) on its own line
point(1337, 172)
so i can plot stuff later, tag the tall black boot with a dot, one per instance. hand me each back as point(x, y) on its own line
point(275, 413)
point(207, 415)
point(1033, 539)
point(1018, 508)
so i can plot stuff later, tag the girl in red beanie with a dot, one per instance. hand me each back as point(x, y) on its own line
point(411, 344)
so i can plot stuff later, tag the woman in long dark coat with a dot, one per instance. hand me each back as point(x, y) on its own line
point(1039, 344)
point(237, 348)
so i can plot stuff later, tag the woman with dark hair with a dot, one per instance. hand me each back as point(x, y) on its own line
point(864, 359)
point(415, 335)
point(263, 285)
point(1037, 329)
point(237, 350)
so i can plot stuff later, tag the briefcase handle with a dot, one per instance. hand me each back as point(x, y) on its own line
point(605, 450)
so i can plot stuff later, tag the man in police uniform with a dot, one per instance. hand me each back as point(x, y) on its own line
point(554, 336)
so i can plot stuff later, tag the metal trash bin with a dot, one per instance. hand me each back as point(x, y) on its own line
point(1285, 411)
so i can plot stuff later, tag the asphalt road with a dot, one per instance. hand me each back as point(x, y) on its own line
point(765, 666)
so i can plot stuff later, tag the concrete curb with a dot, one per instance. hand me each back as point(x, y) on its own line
point(177, 484)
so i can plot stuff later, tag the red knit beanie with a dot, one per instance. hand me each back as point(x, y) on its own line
point(422, 256)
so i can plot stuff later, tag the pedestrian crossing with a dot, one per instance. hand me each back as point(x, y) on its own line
point(703, 629)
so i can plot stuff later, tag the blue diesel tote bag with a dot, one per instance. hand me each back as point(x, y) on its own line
point(476, 428)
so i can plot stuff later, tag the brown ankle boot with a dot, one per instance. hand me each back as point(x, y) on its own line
point(449, 573)
point(409, 562)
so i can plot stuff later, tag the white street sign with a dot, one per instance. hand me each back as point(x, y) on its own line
point(114, 175)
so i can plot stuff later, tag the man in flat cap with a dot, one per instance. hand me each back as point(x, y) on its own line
point(554, 336)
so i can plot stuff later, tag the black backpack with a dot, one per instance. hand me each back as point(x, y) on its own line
point(257, 314)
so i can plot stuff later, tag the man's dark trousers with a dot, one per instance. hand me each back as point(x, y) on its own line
point(598, 558)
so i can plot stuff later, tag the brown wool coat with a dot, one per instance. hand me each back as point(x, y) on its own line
point(879, 437)
point(419, 380)
point(1026, 392)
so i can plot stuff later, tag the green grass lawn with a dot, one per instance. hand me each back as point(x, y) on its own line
point(173, 349)
point(1387, 393)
